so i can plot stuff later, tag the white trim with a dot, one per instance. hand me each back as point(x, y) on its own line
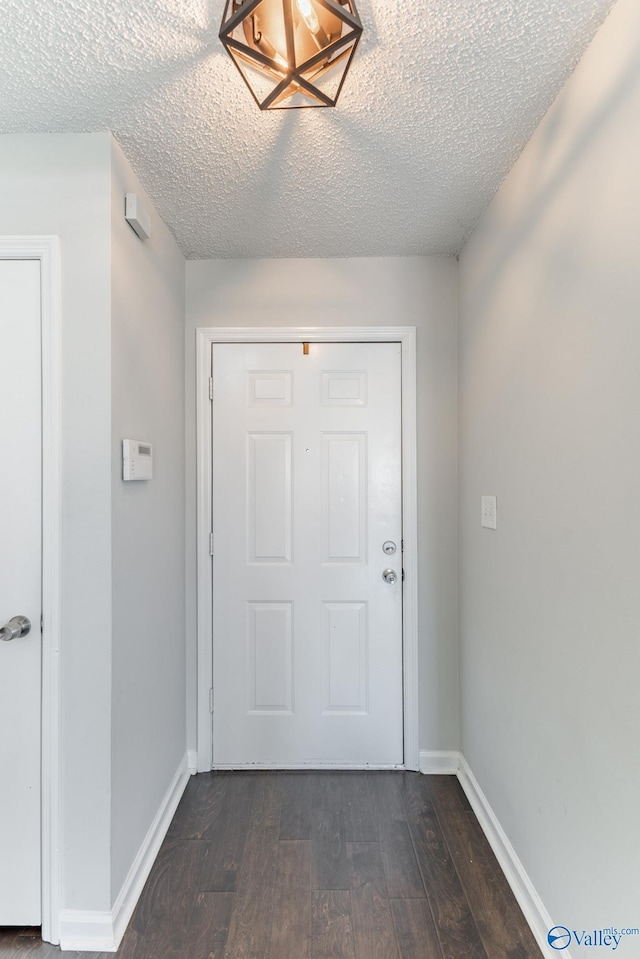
point(439, 762)
point(85, 931)
point(46, 249)
point(204, 520)
point(103, 931)
point(406, 335)
point(523, 889)
point(192, 761)
point(141, 866)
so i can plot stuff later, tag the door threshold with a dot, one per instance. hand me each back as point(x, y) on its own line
point(356, 767)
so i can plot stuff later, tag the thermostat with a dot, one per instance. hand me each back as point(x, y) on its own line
point(137, 460)
point(136, 216)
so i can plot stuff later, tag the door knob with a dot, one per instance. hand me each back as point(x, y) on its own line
point(390, 576)
point(16, 628)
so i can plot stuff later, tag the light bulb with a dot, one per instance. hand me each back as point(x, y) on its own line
point(309, 15)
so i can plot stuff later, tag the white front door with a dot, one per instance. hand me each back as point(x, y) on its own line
point(307, 634)
point(20, 591)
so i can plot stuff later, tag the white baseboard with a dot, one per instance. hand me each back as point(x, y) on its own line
point(439, 762)
point(141, 866)
point(523, 889)
point(192, 761)
point(84, 931)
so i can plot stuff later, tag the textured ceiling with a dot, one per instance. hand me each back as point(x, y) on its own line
point(440, 100)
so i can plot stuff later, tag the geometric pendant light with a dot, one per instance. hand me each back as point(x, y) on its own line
point(292, 53)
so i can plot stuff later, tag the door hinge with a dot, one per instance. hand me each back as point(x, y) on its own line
point(211, 700)
point(210, 544)
point(210, 387)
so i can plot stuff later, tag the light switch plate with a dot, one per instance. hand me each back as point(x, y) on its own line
point(489, 512)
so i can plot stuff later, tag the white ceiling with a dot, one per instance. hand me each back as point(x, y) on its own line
point(439, 102)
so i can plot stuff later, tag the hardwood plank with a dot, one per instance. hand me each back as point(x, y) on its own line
point(373, 930)
point(455, 924)
point(124, 952)
point(250, 921)
point(16, 943)
point(211, 917)
point(8, 936)
point(360, 824)
point(398, 856)
point(226, 836)
point(331, 927)
point(446, 793)
point(499, 919)
point(329, 855)
point(200, 806)
point(295, 822)
point(199, 933)
point(174, 880)
point(128, 948)
point(291, 917)
point(169, 941)
point(415, 930)
point(401, 870)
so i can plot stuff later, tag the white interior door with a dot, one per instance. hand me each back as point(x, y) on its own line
point(20, 591)
point(307, 634)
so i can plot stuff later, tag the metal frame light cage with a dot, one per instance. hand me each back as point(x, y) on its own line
point(292, 53)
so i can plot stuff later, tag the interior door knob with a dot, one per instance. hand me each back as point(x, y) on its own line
point(390, 576)
point(16, 628)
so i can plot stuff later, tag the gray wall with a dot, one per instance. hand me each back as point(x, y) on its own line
point(549, 406)
point(148, 651)
point(59, 184)
point(411, 291)
point(122, 374)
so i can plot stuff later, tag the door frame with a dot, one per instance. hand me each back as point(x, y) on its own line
point(46, 249)
point(206, 337)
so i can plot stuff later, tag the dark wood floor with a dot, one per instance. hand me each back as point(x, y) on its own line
point(319, 865)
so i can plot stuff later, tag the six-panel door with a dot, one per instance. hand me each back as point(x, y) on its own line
point(307, 643)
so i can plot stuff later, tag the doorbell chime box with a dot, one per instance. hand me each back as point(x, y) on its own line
point(137, 460)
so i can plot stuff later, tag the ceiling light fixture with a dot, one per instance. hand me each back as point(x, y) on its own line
point(292, 53)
